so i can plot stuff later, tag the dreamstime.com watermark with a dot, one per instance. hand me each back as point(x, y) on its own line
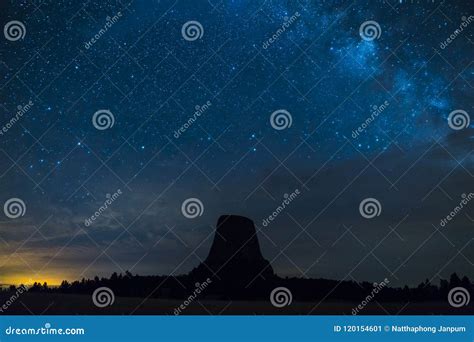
point(370, 30)
point(18, 292)
point(281, 297)
point(22, 110)
point(14, 30)
point(199, 110)
point(284, 204)
point(459, 297)
point(109, 22)
point(110, 199)
point(464, 24)
point(376, 111)
point(288, 21)
point(457, 209)
point(103, 297)
point(192, 30)
point(377, 288)
point(197, 291)
point(46, 330)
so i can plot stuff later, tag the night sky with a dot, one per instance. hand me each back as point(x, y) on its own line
point(320, 71)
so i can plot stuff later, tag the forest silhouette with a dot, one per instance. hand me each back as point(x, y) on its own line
point(240, 272)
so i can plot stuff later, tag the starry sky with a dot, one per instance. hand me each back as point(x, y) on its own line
point(320, 69)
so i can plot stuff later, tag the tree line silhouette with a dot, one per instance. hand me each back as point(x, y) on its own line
point(179, 287)
point(239, 271)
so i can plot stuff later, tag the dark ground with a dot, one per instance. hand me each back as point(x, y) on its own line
point(70, 304)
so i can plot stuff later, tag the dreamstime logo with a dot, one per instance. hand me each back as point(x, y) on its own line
point(192, 30)
point(109, 22)
point(466, 21)
point(286, 24)
point(14, 30)
point(459, 119)
point(370, 207)
point(458, 297)
point(14, 208)
point(376, 111)
point(370, 30)
point(466, 198)
point(192, 208)
point(18, 291)
point(280, 297)
point(47, 329)
point(102, 297)
point(199, 111)
point(197, 291)
point(288, 198)
point(22, 110)
point(103, 119)
point(377, 288)
point(107, 203)
point(281, 119)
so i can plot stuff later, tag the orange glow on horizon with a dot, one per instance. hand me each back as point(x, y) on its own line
point(25, 280)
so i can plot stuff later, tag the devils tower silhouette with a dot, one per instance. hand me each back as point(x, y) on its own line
point(235, 261)
point(239, 272)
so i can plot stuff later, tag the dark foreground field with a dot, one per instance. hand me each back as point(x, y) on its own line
point(68, 304)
